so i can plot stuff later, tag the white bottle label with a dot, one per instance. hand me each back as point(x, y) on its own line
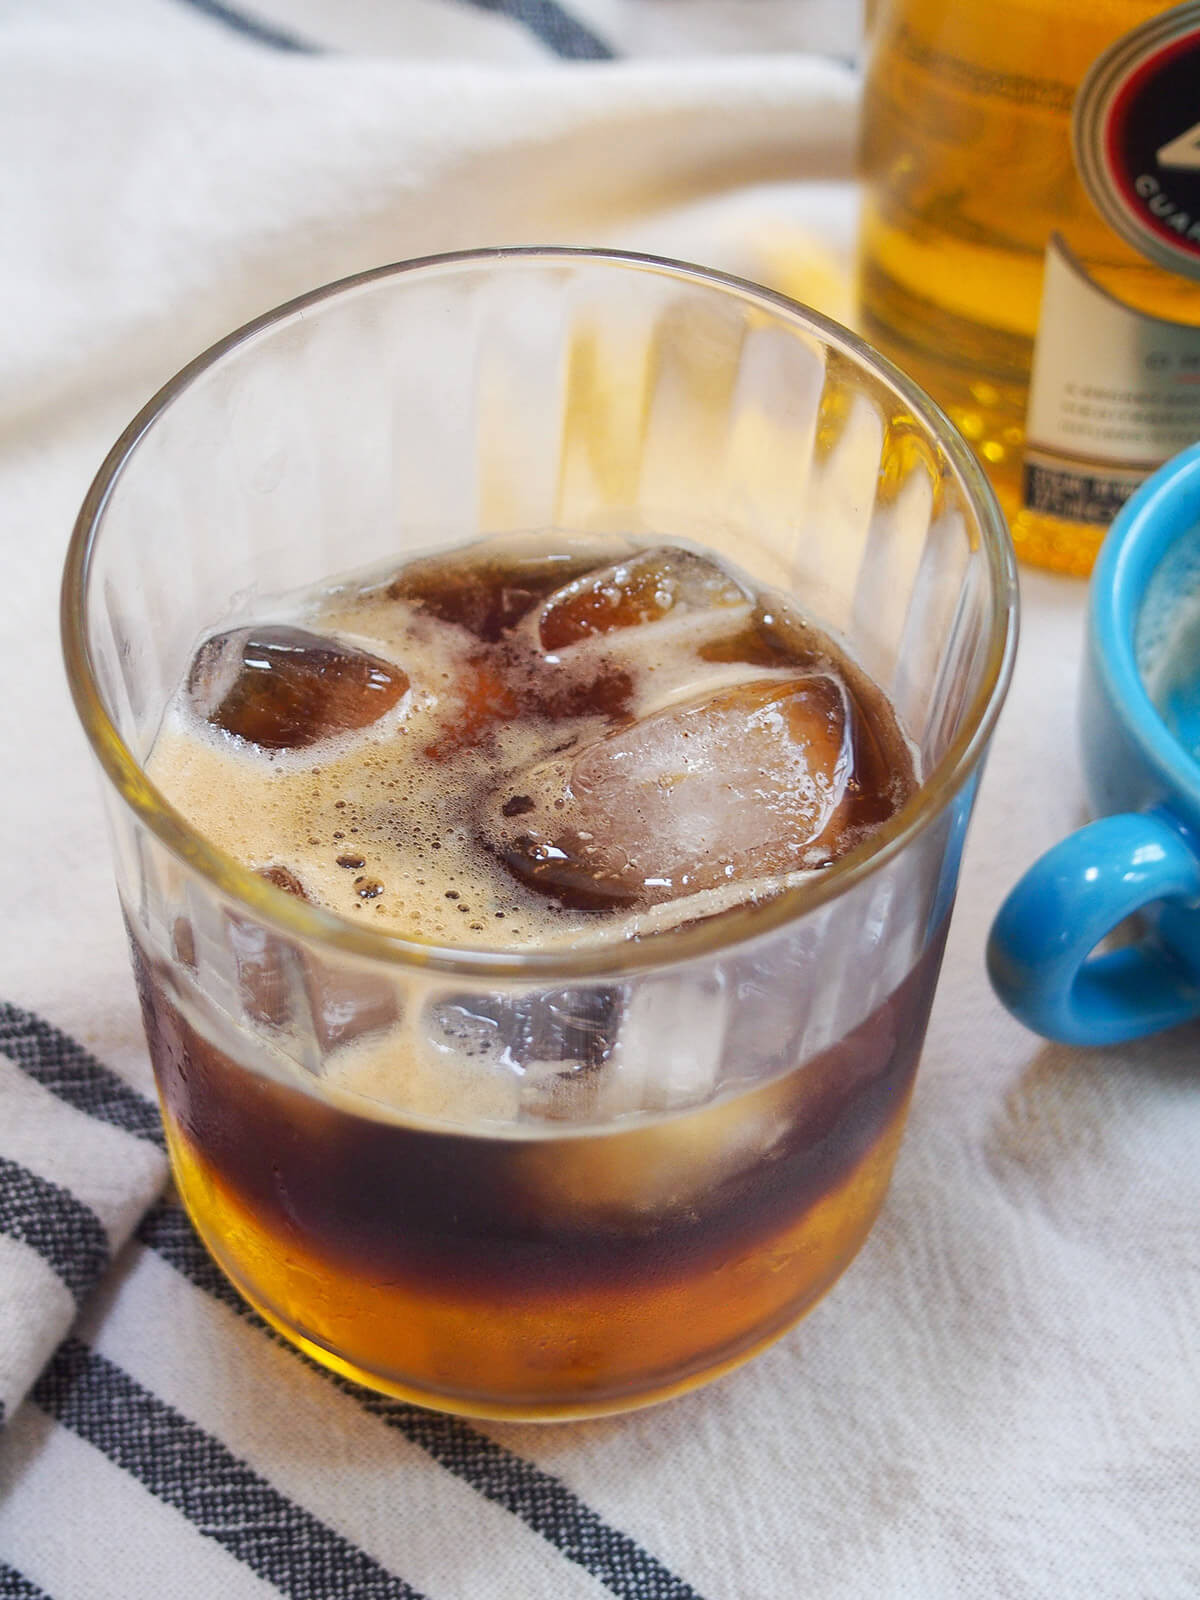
point(1113, 393)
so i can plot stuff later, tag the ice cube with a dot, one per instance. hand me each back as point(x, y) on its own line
point(671, 1047)
point(553, 1044)
point(745, 783)
point(645, 588)
point(285, 985)
point(345, 1003)
point(282, 688)
point(269, 971)
point(267, 965)
point(763, 640)
point(542, 1037)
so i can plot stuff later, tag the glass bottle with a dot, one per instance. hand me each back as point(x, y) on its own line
point(1030, 243)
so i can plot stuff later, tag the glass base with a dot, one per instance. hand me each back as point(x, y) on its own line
point(537, 1409)
point(485, 1410)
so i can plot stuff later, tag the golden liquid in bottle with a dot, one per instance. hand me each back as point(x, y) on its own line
point(968, 169)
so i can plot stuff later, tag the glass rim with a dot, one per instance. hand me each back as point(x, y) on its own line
point(731, 927)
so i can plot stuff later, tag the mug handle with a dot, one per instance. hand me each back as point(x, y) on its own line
point(1040, 956)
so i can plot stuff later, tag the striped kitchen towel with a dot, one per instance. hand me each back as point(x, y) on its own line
point(81, 1160)
point(528, 30)
point(241, 1515)
point(1002, 1397)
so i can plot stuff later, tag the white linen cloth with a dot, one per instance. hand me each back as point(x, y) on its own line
point(1002, 1397)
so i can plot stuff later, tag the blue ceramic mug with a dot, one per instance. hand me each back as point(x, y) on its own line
point(1140, 732)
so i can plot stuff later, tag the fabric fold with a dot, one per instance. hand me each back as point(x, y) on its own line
point(81, 1161)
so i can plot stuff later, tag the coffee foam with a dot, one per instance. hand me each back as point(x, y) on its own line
point(1167, 630)
point(405, 825)
point(403, 1069)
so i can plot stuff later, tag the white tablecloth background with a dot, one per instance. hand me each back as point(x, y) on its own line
point(1002, 1398)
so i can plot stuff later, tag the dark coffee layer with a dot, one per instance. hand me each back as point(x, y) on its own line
point(496, 1216)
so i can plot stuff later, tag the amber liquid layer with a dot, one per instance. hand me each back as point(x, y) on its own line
point(537, 1277)
point(968, 168)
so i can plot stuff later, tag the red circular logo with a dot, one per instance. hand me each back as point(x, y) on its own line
point(1137, 138)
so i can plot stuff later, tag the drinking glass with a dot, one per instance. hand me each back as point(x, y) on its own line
point(747, 1075)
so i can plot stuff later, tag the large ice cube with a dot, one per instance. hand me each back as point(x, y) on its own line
point(282, 688)
point(645, 588)
point(741, 784)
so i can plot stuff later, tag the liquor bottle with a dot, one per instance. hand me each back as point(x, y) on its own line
point(1030, 241)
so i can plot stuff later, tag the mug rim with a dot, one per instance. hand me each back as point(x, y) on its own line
point(1162, 511)
point(733, 927)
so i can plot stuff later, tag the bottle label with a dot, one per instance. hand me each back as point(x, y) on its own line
point(1115, 391)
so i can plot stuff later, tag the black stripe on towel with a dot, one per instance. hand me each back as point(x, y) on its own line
point(48, 1218)
point(553, 25)
point(541, 1501)
point(54, 1060)
point(225, 1499)
point(15, 1587)
point(251, 27)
